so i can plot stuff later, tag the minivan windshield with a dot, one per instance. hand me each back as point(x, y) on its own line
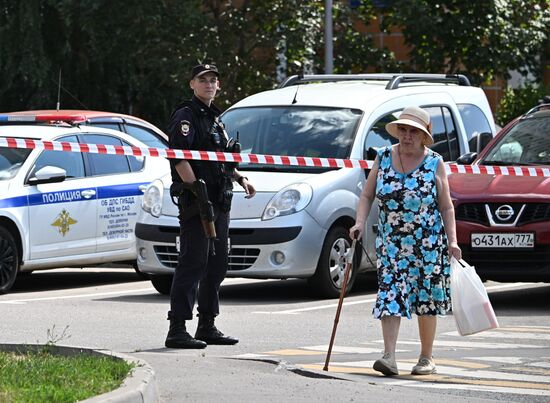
point(292, 131)
point(11, 160)
point(526, 143)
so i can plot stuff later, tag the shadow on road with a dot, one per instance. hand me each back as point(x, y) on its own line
point(59, 279)
point(535, 300)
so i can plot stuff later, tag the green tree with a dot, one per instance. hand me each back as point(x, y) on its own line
point(484, 39)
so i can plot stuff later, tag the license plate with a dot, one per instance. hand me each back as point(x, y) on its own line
point(515, 240)
point(178, 243)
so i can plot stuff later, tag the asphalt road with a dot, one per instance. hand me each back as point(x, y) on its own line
point(284, 332)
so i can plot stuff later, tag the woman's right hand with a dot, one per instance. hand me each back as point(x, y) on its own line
point(356, 228)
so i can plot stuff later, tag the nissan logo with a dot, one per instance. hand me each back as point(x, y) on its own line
point(504, 212)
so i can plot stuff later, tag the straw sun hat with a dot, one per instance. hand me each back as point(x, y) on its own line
point(415, 117)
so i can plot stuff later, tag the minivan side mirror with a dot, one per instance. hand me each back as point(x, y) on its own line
point(48, 174)
point(479, 141)
point(466, 159)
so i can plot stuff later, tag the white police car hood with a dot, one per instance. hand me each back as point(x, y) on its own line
point(4, 188)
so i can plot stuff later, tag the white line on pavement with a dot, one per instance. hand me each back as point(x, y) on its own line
point(98, 294)
point(368, 301)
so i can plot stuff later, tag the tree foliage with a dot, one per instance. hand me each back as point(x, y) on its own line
point(485, 39)
point(135, 57)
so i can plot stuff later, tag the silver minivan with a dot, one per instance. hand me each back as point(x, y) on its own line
point(297, 224)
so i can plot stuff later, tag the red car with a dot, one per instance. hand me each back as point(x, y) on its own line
point(503, 222)
point(138, 128)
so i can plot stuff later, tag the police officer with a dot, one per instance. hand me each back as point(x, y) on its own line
point(201, 268)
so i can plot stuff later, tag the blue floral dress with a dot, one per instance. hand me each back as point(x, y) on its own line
point(411, 244)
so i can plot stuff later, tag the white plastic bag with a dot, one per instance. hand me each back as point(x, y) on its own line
point(472, 309)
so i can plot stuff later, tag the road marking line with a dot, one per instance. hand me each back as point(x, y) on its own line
point(353, 350)
point(461, 373)
point(538, 329)
point(504, 335)
point(296, 352)
point(518, 386)
point(454, 363)
point(470, 345)
point(371, 300)
point(538, 371)
point(98, 294)
point(315, 308)
point(502, 360)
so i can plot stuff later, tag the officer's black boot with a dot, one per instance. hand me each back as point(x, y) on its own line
point(207, 332)
point(178, 336)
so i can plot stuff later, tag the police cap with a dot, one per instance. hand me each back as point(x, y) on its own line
point(201, 69)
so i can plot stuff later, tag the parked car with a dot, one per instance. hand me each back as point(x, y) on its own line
point(67, 209)
point(297, 224)
point(503, 221)
point(147, 133)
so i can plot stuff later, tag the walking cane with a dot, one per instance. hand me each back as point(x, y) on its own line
point(349, 263)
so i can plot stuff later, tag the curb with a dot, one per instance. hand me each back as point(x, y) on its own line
point(140, 385)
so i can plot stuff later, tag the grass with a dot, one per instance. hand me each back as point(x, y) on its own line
point(45, 377)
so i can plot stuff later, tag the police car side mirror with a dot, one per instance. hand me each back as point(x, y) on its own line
point(48, 174)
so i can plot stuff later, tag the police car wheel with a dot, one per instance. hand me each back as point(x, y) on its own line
point(162, 283)
point(329, 276)
point(9, 260)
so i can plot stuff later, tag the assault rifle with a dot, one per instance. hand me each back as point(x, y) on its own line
point(206, 212)
point(203, 205)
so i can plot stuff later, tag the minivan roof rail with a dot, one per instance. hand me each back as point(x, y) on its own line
point(394, 79)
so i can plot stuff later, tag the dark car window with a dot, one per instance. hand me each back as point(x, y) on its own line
point(293, 131)
point(104, 164)
point(443, 131)
point(526, 143)
point(474, 120)
point(452, 133)
point(378, 137)
point(146, 136)
point(11, 160)
point(439, 133)
point(71, 162)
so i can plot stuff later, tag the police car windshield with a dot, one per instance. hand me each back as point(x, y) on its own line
point(11, 160)
point(292, 131)
point(527, 143)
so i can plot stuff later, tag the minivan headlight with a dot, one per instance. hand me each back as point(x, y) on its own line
point(152, 198)
point(288, 200)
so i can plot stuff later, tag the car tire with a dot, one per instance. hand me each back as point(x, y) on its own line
point(329, 275)
point(9, 260)
point(162, 283)
point(142, 275)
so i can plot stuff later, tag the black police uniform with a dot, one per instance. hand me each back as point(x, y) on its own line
point(195, 126)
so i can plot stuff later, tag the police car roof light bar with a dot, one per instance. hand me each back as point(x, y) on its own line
point(8, 118)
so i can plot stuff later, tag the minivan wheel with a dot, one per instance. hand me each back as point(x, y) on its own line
point(329, 276)
point(162, 283)
point(9, 260)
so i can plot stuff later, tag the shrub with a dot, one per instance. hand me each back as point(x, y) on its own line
point(517, 101)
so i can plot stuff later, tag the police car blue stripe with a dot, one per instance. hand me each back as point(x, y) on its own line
point(72, 195)
point(13, 202)
point(107, 192)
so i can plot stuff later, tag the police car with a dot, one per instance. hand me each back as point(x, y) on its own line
point(62, 209)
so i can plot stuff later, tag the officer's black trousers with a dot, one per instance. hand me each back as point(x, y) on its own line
point(198, 270)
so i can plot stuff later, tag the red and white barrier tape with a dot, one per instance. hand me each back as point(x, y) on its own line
point(251, 158)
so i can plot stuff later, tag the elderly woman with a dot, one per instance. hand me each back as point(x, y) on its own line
point(416, 236)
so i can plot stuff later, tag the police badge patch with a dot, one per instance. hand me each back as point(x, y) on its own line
point(185, 126)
